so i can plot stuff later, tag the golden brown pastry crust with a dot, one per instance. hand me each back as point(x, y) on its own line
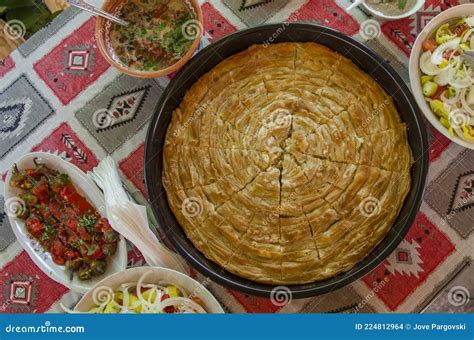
point(286, 164)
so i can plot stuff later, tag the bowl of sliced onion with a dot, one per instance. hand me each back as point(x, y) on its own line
point(442, 74)
point(146, 290)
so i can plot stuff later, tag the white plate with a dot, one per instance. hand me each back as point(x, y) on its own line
point(43, 259)
point(158, 274)
point(414, 68)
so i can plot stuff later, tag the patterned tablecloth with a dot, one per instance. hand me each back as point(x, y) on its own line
point(52, 85)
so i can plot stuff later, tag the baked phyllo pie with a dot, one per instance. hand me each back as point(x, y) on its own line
point(286, 163)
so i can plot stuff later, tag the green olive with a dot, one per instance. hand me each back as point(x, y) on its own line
point(452, 92)
point(430, 88)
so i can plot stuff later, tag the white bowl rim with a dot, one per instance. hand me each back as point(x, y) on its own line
point(412, 11)
point(215, 308)
point(414, 70)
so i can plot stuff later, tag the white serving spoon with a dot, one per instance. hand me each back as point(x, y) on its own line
point(354, 5)
point(130, 219)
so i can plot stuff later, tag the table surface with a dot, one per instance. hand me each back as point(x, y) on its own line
point(53, 84)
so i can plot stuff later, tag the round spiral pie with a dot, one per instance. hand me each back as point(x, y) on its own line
point(286, 164)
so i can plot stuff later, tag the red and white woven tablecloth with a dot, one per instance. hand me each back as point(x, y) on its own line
point(51, 86)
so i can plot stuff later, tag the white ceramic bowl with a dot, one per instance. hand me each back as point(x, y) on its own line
point(412, 11)
point(43, 259)
point(414, 68)
point(158, 274)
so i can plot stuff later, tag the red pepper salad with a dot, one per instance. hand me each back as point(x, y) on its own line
point(64, 222)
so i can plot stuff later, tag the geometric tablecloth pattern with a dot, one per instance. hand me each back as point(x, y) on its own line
point(53, 84)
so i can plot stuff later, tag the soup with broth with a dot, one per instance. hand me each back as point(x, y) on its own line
point(160, 32)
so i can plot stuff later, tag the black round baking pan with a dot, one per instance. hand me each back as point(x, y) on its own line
point(213, 54)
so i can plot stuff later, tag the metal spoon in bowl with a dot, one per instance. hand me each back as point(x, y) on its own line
point(97, 11)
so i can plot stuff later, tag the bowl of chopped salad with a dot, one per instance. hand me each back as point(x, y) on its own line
point(159, 38)
point(148, 290)
point(442, 74)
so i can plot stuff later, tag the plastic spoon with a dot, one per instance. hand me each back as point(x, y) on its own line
point(354, 5)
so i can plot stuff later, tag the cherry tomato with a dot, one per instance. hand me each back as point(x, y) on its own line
point(169, 309)
point(429, 45)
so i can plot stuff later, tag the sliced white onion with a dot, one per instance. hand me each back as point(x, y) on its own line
point(467, 70)
point(445, 77)
point(467, 34)
point(470, 21)
point(448, 100)
point(470, 96)
point(426, 66)
point(437, 56)
point(460, 82)
point(125, 300)
point(454, 61)
point(464, 103)
point(143, 302)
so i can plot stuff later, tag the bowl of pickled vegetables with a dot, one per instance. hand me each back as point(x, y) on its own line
point(442, 74)
point(148, 290)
